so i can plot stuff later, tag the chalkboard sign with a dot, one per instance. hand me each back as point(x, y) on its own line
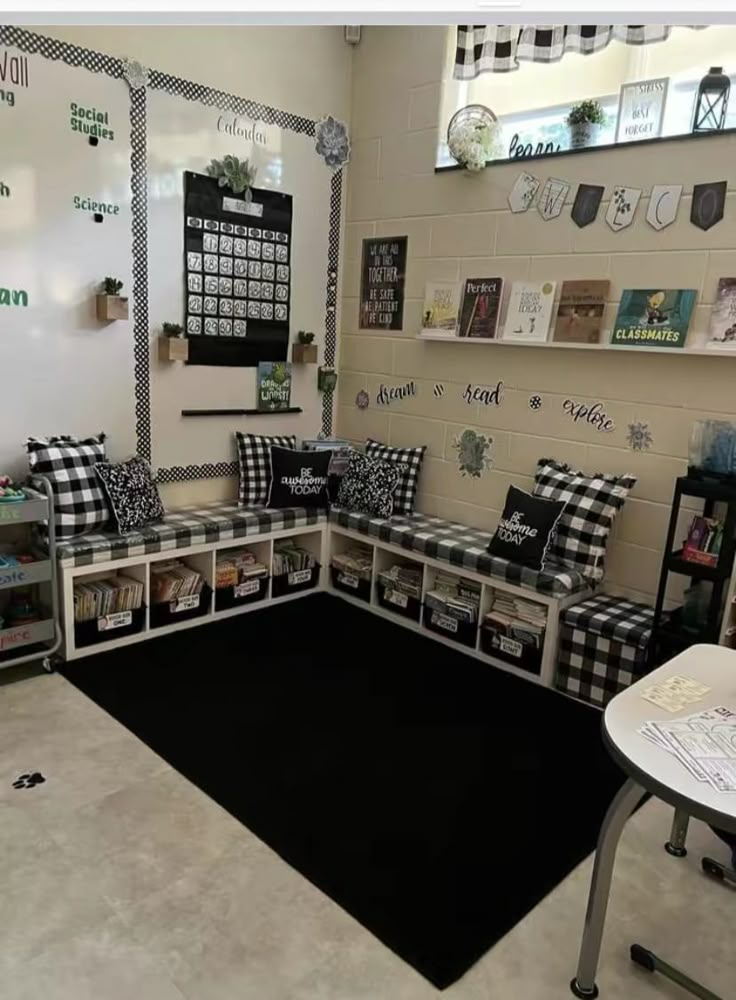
point(382, 283)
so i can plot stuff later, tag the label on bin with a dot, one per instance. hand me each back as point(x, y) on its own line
point(247, 587)
point(299, 576)
point(116, 620)
point(444, 621)
point(510, 646)
point(348, 580)
point(185, 603)
point(397, 598)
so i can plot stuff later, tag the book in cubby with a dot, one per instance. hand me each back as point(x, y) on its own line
point(513, 629)
point(110, 595)
point(172, 579)
point(452, 607)
point(352, 571)
point(239, 578)
point(703, 542)
point(295, 567)
point(399, 589)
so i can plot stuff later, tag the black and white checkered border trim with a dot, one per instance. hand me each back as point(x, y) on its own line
point(333, 258)
point(98, 62)
point(51, 48)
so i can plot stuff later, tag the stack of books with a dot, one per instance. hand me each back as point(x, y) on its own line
point(106, 597)
point(404, 579)
point(516, 618)
point(455, 597)
point(172, 579)
point(703, 542)
point(239, 566)
point(288, 557)
point(356, 562)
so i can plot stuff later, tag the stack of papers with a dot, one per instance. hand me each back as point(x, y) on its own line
point(704, 743)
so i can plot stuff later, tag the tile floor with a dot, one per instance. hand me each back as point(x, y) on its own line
point(121, 881)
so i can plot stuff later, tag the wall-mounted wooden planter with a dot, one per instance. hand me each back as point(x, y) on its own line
point(110, 307)
point(173, 349)
point(304, 354)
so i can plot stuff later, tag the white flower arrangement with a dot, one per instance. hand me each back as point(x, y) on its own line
point(473, 144)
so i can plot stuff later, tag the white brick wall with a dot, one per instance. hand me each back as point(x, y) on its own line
point(460, 226)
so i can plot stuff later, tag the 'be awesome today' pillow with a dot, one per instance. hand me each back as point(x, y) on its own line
point(526, 528)
point(298, 478)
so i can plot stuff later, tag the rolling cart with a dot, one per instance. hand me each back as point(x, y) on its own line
point(40, 639)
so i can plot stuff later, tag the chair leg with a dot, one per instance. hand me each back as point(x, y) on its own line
point(628, 797)
point(652, 963)
point(678, 835)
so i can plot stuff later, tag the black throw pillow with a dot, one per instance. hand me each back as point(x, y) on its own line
point(298, 478)
point(526, 528)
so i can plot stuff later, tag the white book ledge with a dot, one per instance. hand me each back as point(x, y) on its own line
point(446, 338)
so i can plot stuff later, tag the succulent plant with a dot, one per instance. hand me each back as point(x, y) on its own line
point(173, 329)
point(238, 175)
point(305, 337)
point(586, 111)
point(111, 286)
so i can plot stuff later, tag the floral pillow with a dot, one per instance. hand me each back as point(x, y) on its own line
point(368, 485)
point(133, 495)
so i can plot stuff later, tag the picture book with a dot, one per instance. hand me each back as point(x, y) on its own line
point(530, 310)
point(653, 317)
point(723, 317)
point(274, 385)
point(580, 312)
point(480, 307)
point(441, 307)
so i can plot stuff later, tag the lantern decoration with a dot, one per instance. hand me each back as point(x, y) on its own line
point(711, 102)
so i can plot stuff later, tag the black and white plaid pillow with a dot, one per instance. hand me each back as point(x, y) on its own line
point(409, 461)
point(254, 460)
point(591, 505)
point(80, 504)
point(133, 495)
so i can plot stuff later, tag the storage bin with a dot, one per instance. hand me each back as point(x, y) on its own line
point(247, 592)
point(449, 627)
point(398, 603)
point(350, 583)
point(182, 609)
point(603, 647)
point(518, 654)
point(109, 627)
point(293, 583)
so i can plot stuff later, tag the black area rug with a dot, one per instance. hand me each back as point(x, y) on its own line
point(434, 798)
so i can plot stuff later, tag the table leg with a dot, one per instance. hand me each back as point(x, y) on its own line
point(676, 844)
point(583, 985)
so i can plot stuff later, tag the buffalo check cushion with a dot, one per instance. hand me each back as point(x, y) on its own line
point(591, 505)
point(409, 461)
point(459, 546)
point(68, 463)
point(182, 528)
point(254, 463)
point(603, 647)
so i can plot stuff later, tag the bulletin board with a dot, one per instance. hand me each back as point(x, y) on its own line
point(78, 375)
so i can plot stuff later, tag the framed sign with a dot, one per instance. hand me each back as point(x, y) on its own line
point(641, 109)
point(382, 274)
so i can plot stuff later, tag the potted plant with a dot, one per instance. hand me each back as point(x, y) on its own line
point(326, 379)
point(584, 123)
point(304, 352)
point(110, 303)
point(238, 175)
point(173, 346)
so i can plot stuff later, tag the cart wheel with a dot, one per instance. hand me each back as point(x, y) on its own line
point(713, 868)
point(49, 664)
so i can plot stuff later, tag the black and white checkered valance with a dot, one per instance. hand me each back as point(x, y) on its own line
point(498, 48)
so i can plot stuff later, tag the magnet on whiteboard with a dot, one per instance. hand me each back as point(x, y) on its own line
point(98, 217)
point(93, 140)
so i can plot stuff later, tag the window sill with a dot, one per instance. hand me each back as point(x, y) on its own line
point(697, 137)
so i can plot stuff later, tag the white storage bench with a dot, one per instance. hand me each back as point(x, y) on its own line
point(429, 544)
point(436, 546)
point(194, 534)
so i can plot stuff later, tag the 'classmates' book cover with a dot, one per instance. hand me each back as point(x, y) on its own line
point(480, 307)
point(723, 317)
point(653, 317)
point(580, 313)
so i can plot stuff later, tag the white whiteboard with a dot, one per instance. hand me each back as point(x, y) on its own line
point(183, 135)
point(62, 371)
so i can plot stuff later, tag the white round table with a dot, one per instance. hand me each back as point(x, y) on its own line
point(650, 769)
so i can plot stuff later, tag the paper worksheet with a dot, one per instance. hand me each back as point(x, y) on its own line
point(704, 743)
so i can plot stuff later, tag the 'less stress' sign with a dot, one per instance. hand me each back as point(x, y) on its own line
point(382, 283)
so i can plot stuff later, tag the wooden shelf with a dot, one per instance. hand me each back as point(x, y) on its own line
point(240, 413)
point(450, 338)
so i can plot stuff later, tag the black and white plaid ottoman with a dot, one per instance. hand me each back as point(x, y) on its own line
point(603, 647)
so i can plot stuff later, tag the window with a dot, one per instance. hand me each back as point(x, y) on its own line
point(532, 102)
